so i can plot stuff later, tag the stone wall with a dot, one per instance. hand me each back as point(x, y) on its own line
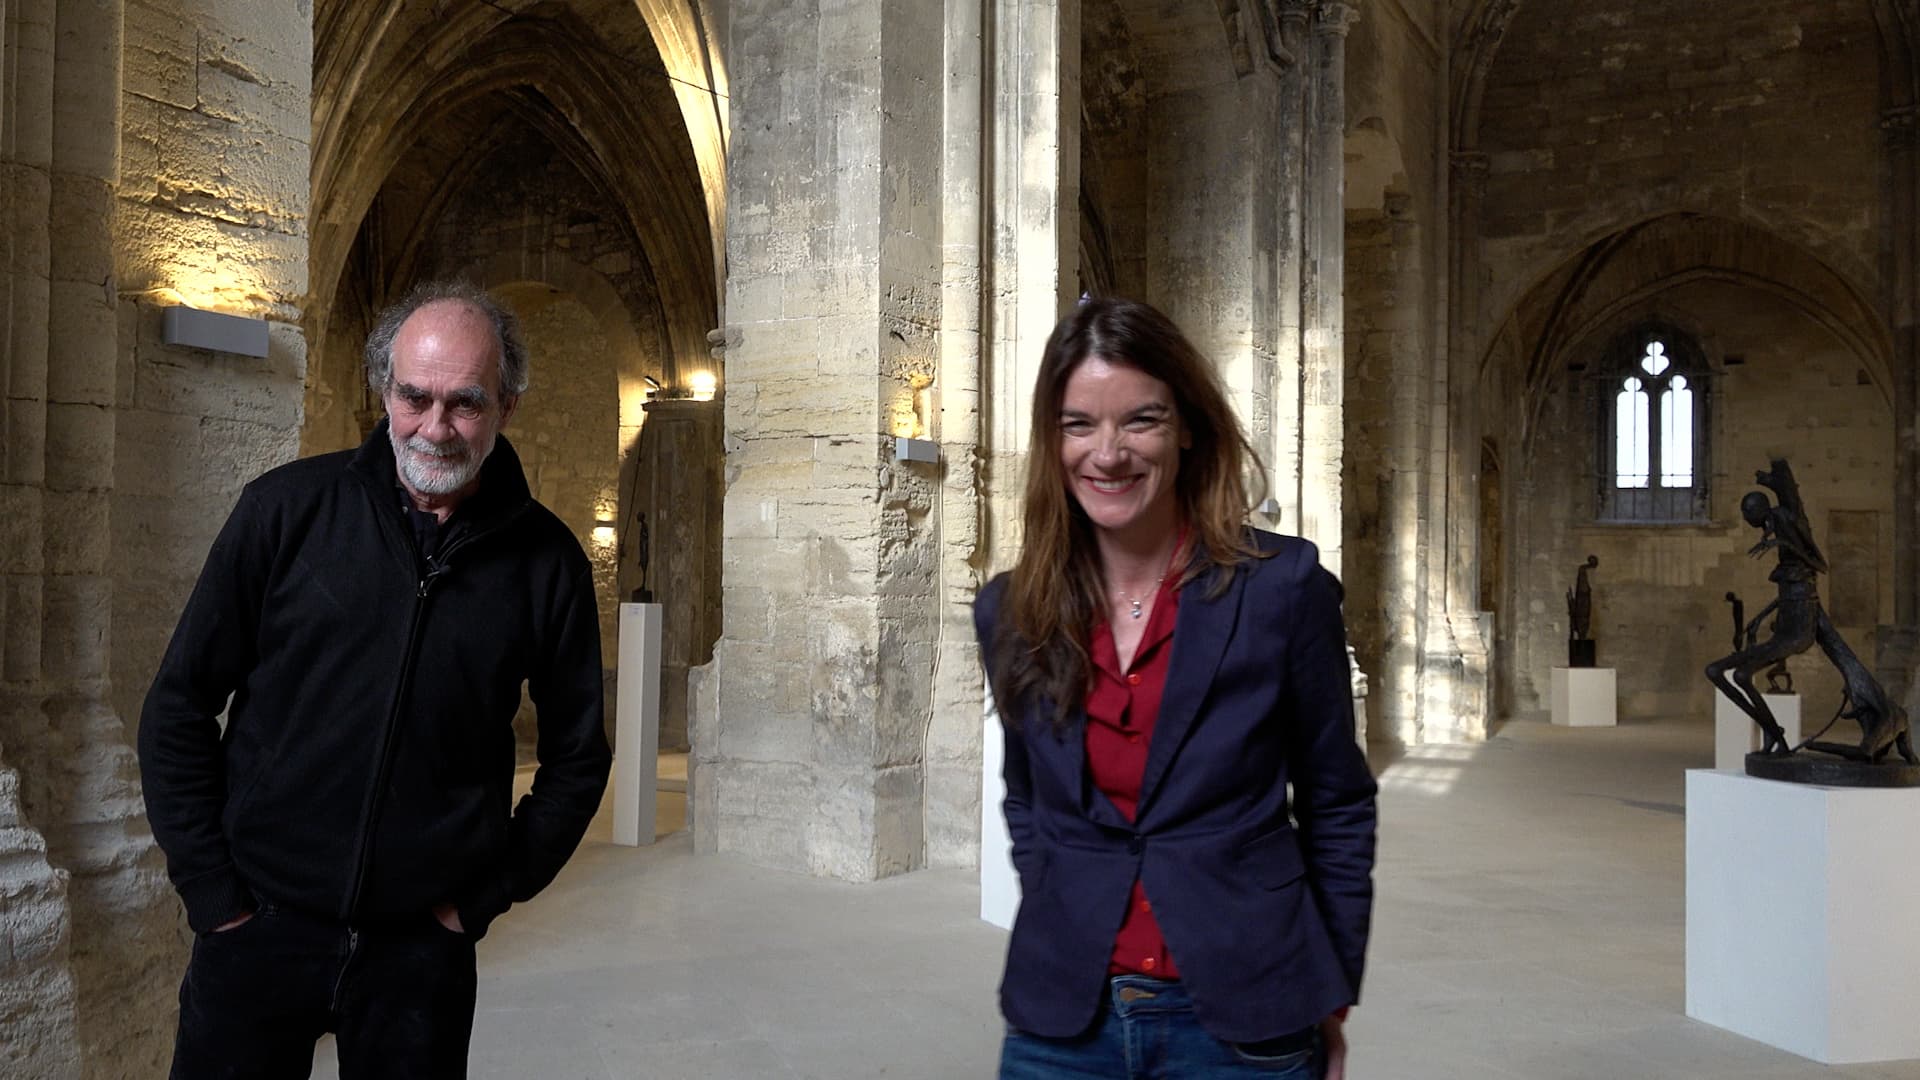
point(156, 155)
point(1767, 111)
point(1659, 609)
point(212, 211)
point(567, 433)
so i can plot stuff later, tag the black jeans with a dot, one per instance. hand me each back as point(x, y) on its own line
point(256, 998)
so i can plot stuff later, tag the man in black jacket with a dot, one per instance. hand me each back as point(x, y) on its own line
point(366, 621)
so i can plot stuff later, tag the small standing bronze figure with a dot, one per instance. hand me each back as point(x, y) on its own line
point(1581, 649)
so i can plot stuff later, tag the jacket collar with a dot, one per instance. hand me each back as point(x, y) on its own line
point(503, 483)
point(1201, 633)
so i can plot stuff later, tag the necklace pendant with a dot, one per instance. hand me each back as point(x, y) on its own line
point(1136, 608)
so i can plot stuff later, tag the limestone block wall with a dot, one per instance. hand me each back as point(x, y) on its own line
point(567, 433)
point(211, 212)
point(151, 147)
point(1767, 110)
point(1659, 609)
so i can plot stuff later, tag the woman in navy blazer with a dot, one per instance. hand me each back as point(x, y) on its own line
point(1167, 678)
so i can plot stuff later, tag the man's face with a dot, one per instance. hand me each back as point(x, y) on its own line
point(444, 404)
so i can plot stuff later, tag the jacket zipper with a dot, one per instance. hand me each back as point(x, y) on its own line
point(371, 816)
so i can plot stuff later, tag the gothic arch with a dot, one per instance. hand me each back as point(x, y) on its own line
point(393, 78)
point(1591, 292)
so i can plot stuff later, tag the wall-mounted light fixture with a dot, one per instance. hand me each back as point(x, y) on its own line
point(213, 331)
point(704, 385)
point(603, 530)
point(922, 450)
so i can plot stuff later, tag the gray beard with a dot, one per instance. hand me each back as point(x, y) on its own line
point(429, 474)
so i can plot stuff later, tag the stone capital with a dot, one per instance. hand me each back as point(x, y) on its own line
point(1469, 167)
point(1899, 126)
point(1334, 17)
point(1280, 19)
point(1292, 11)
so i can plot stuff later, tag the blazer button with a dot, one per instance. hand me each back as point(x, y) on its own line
point(1136, 844)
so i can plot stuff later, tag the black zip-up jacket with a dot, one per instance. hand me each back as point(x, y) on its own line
point(366, 769)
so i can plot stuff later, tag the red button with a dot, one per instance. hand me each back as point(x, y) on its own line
point(1133, 679)
point(1147, 963)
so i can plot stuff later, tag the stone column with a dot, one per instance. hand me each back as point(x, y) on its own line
point(1898, 645)
point(95, 823)
point(809, 728)
point(1035, 227)
point(1453, 696)
point(1290, 259)
point(954, 399)
point(38, 1001)
point(1322, 409)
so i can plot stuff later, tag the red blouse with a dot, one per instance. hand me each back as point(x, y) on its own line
point(1121, 709)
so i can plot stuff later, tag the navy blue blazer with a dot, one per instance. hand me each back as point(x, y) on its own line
point(1266, 912)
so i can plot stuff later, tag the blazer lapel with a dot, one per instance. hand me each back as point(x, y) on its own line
point(1068, 755)
point(1201, 633)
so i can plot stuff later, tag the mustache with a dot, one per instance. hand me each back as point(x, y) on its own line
point(453, 448)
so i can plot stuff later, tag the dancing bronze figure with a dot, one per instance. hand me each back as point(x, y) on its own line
point(1799, 622)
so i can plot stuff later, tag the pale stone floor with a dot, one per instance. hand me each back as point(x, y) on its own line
point(1529, 926)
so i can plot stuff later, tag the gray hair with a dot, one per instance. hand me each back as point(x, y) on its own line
point(506, 333)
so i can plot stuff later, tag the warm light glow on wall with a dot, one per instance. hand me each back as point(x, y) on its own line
point(603, 533)
point(901, 418)
point(207, 290)
point(923, 407)
point(704, 385)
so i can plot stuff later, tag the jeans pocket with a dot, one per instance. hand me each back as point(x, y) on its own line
point(1287, 1056)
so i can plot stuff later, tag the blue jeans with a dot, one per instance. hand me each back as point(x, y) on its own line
point(1148, 1032)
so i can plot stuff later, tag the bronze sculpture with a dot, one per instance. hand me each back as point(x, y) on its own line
point(1779, 679)
point(1799, 621)
point(1581, 649)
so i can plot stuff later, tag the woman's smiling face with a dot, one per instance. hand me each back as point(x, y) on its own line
point(1120, 443)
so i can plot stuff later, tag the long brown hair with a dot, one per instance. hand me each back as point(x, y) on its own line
point(1056, 591)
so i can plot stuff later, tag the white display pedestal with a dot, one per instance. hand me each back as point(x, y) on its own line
point(1584, 697)
point(1735, 735)
point(1800, 915)
point(999, 885)
point(636, 725)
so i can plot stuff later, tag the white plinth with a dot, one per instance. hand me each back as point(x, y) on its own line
point(1584, 697)
point(1800, 915)
point(999, 885)
point(1735, 735)
point(636, 725)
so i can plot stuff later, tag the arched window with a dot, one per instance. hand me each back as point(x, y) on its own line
point(1652, 428)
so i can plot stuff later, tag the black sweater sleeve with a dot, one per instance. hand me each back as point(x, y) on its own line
point(182, 765)
point(567, 692)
